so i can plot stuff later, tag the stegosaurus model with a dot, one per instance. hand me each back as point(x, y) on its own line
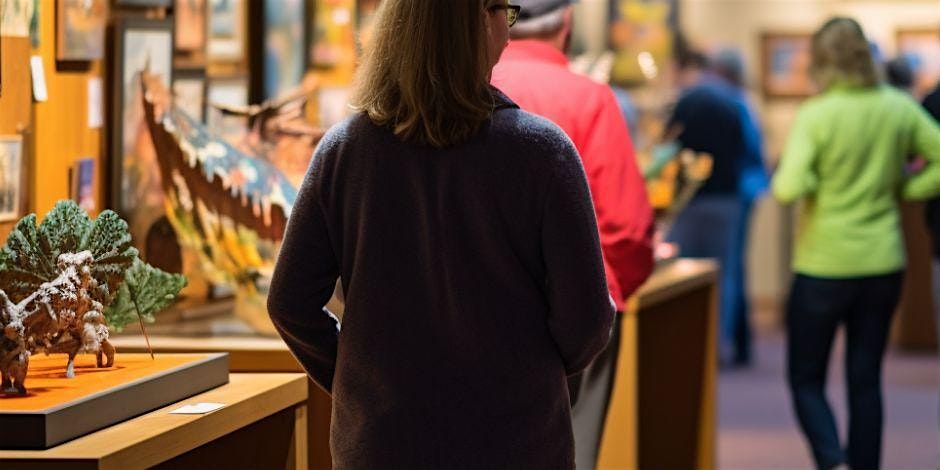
point(65, 282)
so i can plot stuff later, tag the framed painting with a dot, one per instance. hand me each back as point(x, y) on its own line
point(640, 32)
point(16, 16)
point(227, 91)
point(141, 46)
point(785, 61)
point(284, 56)
point(83, 183)
point(226, 31)
point(189, 92)
point(922, 47)
point(191, 23)
point(11, 176)
point(80, 29)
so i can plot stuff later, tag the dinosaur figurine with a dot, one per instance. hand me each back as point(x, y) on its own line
point(66, 283)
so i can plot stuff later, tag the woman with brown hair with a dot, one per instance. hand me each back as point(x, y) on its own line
point(463, 232)
point(845, 158)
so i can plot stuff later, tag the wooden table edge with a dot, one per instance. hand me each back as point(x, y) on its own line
point(157, 436)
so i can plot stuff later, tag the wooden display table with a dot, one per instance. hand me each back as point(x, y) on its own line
point(666, 370)
point(263, 425)
point(662, 411)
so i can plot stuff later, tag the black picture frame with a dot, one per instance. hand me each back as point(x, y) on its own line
point(123, 27)
point(193, 74)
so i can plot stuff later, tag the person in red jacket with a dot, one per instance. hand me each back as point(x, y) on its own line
point(533, 72)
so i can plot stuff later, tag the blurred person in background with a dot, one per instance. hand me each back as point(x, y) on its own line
point(463, 231)
point(899, 73)
point(845, 158)
point(533, 72)
point(712, 117)
point(753, 182)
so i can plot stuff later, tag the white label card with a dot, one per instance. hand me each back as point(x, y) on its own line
point(95, 103)
point(39, 79)
point(197, 408)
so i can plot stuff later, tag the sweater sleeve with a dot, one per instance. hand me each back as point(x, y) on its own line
point(924, 141)
point(303, 281)
point(624, 215)
point(796, 176)
point(580, 308)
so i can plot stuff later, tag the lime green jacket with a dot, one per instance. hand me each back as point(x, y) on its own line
point(846, 157)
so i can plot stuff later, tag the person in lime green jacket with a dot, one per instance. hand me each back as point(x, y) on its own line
point(846, 159)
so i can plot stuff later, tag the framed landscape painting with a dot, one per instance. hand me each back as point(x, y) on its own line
point(80, 29)
point(141, 46)
point(922, 48)
point(785, 65)
point(11, 172)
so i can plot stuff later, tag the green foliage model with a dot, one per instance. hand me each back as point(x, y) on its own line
point(128, 287)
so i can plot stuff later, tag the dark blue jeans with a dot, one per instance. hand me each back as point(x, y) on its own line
point(816, 307)
point(716, 226)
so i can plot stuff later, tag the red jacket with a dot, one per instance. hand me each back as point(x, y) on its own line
point(535, 75)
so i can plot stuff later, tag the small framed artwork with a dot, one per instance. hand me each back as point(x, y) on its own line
point(11, 176)
point(143, 53)
point(83, 183)
point(80, 29)
point(227, 27)
point(922, 48)
point(785, 61)
point(231, 92)
point(284, 26)
point(191, 23)
point(189, 92)
point(16, 18)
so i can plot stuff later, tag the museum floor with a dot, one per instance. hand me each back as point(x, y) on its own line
point(757, 428)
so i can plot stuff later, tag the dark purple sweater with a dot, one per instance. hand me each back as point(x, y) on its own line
point(473, 282)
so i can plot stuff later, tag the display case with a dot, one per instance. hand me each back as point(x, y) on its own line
point(57, 408)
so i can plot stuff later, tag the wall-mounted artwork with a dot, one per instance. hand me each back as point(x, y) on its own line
point(15, 17)
point(11, 170)
point(140, 44)
point(284, 55)
point(189, 92)
point(230, 92)
point(641, 33)
point(922, 47)
point(191, 23)
point(83, 183)
point(785, 61)
point(226, 31)
point(80, 27)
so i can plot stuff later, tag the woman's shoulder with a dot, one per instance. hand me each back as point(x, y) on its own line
point(353, 126)
point(520, 128)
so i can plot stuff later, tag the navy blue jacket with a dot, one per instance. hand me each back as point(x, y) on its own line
point(474, 285)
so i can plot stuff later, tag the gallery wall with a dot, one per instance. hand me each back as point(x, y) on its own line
point(63, 121)
point(15, 99)
point(707, 22)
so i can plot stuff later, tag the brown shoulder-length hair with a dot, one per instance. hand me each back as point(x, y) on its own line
point(841, 54)
point(425, 72)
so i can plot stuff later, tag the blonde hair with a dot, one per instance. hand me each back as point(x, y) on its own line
point(841, 54)
point(426, 71)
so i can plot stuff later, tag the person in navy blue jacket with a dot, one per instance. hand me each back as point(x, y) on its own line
point(463, 231)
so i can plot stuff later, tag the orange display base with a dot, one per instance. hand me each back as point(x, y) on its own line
point(56, 408)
